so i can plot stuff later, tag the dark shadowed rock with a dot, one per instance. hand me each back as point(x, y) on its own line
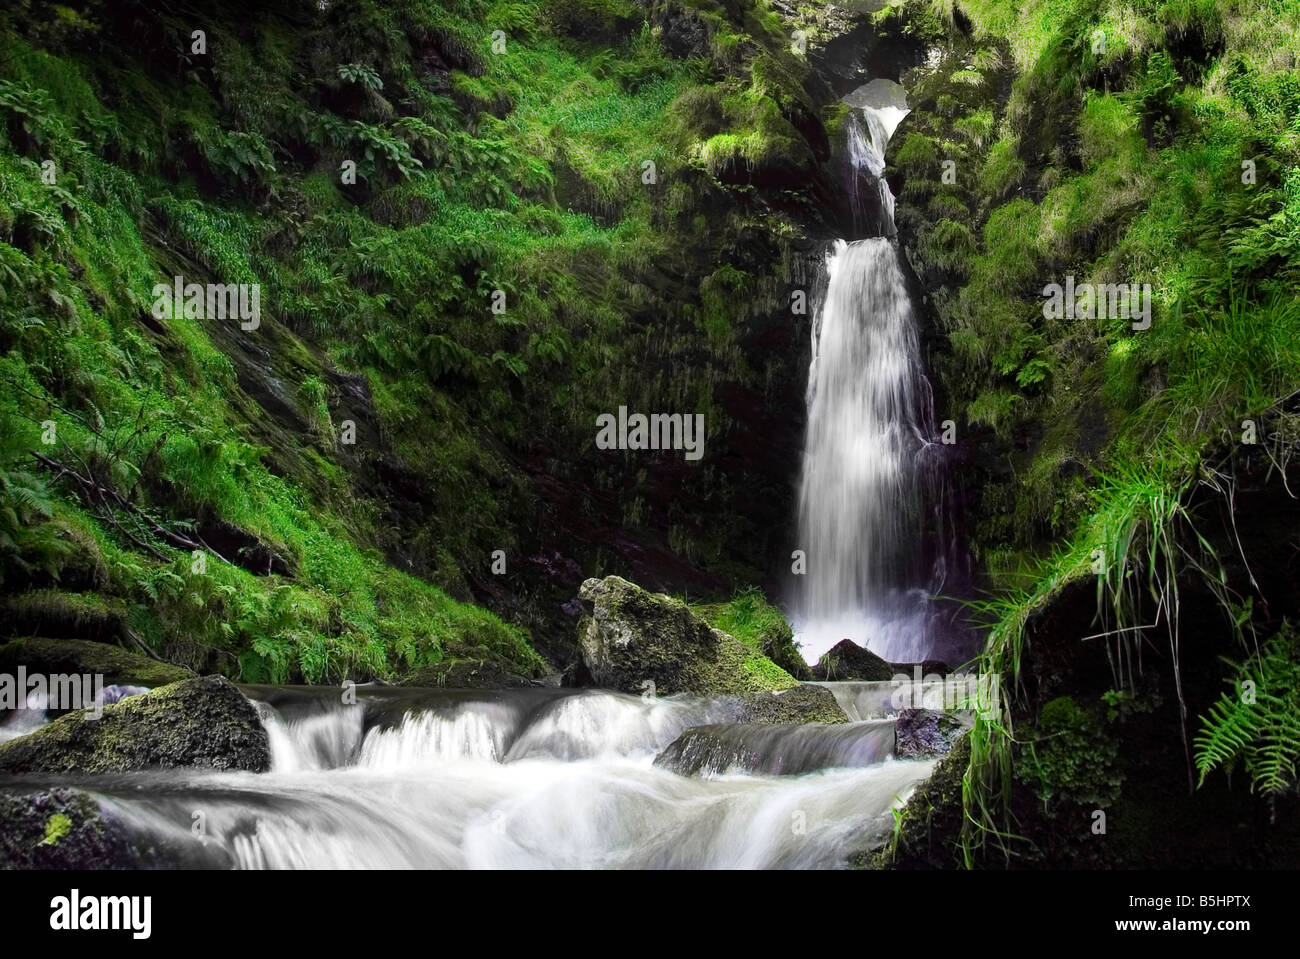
point(798, 704)
point(630, 637)
point(927, 733)
point(62, 829)
point(198, 722)
point(118, 666)
point(847, 660)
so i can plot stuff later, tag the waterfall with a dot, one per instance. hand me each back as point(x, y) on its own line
point(870, 438)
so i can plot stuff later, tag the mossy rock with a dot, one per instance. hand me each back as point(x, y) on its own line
point(631, 637)
point(56, 612)
point(487, 672)
point(198, 722)
point(758, 624)
point(804, 703)
point(846, 660)
point(932, 819)
point(62, 829)
point(118, 666)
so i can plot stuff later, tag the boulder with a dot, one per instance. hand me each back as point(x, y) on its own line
point(197, 722)
point(798, 704)
point(62, 829)
point(776, 750)
point(118, 666)
point(927, 733)
point(630, 638)
point(847, 660)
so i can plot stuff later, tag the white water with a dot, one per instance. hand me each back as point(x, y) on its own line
point(868, 411)
point(515, 779)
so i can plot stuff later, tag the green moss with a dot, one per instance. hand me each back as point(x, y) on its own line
point(1072, 759)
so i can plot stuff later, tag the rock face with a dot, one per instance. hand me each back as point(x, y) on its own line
point(630, 637)
point(118, 666)
point(62, 829)
point(847, 660)
point(198, 722)
point(798, 704)
point(927, 733)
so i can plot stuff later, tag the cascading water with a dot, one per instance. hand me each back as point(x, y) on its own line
point(525, 778)
point(870, 447)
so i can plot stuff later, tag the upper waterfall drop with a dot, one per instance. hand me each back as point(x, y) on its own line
point(879, 107)
point(870, 427)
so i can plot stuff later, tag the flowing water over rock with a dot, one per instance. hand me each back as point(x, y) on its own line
point(526, 778)
point(871, 451)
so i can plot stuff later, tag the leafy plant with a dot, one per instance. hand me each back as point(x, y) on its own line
point(1257, 722)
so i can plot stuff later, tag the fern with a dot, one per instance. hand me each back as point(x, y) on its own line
point(1259, 722)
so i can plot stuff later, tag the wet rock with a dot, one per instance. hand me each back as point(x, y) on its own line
point(61, 656)
point(56, 612)
point(62, 829)
point(847, 660)
point(798, 704)
point(927, 733)
point(631, 638)
point(198, 722)
point(777, 750)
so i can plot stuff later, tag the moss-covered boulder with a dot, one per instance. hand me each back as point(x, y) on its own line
point(798, 704)
point(489, 671)
point(57, 612)
point(928, 733)
point(759, 625)
point(118, 666)
point(62, 829)
point(847, 660)
point(931, 819)
point(198, 722)
point(631, 637)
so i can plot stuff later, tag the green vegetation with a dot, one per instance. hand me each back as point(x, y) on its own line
point(56, 827)
point(758, 624)
point(1257, 722)
point(1072, 759)
point(1138, 142)
point(390, 180)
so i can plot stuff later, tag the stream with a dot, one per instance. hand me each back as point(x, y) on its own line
point(527, 778)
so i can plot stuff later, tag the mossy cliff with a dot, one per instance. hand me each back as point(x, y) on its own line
point(472, 227)
point(1127, 464)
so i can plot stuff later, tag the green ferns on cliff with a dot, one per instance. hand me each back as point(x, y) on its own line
point(1258, 721)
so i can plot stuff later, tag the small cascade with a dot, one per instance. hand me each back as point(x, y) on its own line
point(879, 700)
point(527, 778)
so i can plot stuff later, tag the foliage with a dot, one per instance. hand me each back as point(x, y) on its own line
point(1258, 721)
point(1072, 759)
